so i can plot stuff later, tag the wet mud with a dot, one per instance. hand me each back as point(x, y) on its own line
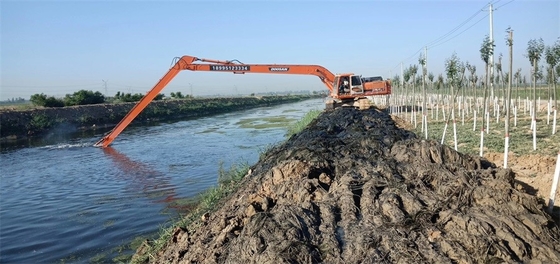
point(355, 188)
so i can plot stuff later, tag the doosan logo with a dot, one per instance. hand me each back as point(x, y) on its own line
point(279, 69)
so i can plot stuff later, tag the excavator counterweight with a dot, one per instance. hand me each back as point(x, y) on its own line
point(343, 88)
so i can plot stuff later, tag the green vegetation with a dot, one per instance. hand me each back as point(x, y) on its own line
point(46, 101)
point(179, 95)
point(39, 122)
point(303, 123)
point(520, 137)
point(81, 97)
point(84, 97)
point(228, 182)
point(129, 97)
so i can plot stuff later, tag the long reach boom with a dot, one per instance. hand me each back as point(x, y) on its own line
point(188, 63)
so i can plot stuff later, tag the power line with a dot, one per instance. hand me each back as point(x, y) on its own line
point(460, 32)
point(456, 28)
point(503, 4)
point(443, 39)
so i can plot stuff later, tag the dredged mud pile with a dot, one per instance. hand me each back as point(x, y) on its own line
point(354, 188)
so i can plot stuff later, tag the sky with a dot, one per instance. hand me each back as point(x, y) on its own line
point(60, 47)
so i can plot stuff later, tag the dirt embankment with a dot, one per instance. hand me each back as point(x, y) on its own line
point(16, 124)
point(354, 188)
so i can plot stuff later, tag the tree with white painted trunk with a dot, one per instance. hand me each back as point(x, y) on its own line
point(509, 42)
point(440, 88)
point(455, 74)
point(535, 49)
point(413, 69)
point(472, 81)
point(486, 50)
point(422, 62)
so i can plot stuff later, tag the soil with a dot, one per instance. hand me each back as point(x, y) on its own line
point(355, 188)
point(535, 171)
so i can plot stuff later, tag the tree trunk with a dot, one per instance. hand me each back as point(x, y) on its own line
point(483, 113)
point(535, 105)
point(508, 101)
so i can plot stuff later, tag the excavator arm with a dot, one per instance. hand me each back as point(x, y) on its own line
point(198, 64)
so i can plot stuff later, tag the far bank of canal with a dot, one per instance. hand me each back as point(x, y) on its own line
point(21, 124)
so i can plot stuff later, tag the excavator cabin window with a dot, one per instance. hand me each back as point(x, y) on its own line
point(344, 85)
point(356, 80)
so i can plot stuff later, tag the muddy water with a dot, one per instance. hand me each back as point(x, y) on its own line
point(62, 200)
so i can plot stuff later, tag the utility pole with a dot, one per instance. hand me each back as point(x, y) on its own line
point(402, 74)
point(105, 84)
point(424, 88)
point(402, 82)
point(426, 61)
point(491, 60)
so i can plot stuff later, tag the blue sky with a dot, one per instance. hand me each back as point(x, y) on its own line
point(59, 47)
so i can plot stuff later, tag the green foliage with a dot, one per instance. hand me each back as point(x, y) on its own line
point(517, 75)
point(301, 124)
point(431, 77)
point(535, 49)
point(412, 70)
point(39, 122)
point(439, 82)
point(396, 79)
point(38, 99)
point(455, 70)
point(46, 101)
point(552, 56)
point(487, 49)
point(84, 97)
point(128, 97)
point(499, 64)
point(472, 70)
point(179, 95)
point(159, 97)
point(422, 61)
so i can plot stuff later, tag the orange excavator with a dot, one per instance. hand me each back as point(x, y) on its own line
point(345, 89)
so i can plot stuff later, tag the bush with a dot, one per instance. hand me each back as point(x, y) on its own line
point(53, 102)
point(83, 97)
point(38, 99)
point(128, 97)
point(39, 123)
point(43, 100)
point(159, 97)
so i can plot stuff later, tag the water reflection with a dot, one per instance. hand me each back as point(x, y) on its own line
point(147, 180)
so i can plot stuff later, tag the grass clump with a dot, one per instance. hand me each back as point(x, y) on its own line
point(302, 123)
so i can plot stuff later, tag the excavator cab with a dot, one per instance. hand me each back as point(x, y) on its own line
point(348, 84)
